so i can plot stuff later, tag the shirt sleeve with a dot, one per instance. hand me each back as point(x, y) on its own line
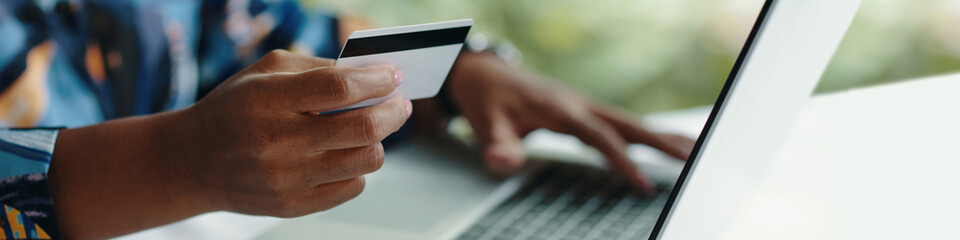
point(24, 191)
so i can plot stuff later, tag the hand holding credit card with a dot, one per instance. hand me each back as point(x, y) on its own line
point(425, 53)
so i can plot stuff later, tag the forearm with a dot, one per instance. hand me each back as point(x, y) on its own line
point(114, 178)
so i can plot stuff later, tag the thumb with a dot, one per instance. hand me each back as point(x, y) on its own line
point(503, 148)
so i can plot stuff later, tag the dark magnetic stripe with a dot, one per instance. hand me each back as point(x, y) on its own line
point(404, 41)
point(25, 152)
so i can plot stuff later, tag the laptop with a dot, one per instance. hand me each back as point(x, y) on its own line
point(429, 190)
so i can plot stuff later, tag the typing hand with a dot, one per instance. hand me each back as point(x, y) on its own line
point(504, 104)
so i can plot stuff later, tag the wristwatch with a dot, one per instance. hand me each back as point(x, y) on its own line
point(483, 42)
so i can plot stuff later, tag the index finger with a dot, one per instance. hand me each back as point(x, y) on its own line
point(285, 61)
point(332, 87)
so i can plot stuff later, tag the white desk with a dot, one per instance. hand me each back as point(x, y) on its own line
point(873, 163)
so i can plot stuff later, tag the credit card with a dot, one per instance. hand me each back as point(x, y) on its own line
point(425, 53)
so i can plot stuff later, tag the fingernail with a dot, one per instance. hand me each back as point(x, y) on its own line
point(398, 74)
point(409, 106)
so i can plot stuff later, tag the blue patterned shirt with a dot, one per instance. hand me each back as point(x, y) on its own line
point(77, 63)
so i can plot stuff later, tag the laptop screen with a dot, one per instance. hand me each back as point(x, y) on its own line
point(781, 62)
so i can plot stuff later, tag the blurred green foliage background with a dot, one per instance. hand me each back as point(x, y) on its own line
point(656, 55)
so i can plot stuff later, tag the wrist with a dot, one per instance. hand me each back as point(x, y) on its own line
point(470, 65)
point(115, 178)
point(177, 155)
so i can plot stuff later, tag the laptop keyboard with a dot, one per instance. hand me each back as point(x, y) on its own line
point(568, 201)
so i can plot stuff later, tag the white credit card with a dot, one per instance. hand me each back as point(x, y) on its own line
point(425, 53)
